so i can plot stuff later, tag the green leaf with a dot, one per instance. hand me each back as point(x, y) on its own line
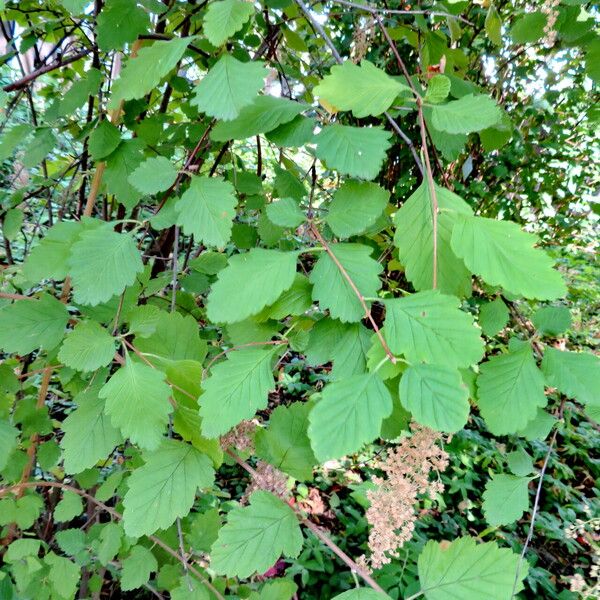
point(493, 25)
point(430, 327)
point(505, 499)
point(438, 89)
point(120, 164)
point(103, 140)
point(278, 589)
point(355, 207)
point(143, 73)
point(137, 568)
point(190, 589)
point(154, 175)
point(348, 415)
point(519, 462)
point(365, 89)
point(255, 536)
point(79, 93)
point(26, 325)
point(22, 548)
point(463, 568)
point(119, 23)
point(467, 114)
point(137, 402)
point(64, 575)
point(48, 260)
point(165, 487)
point(294, 133)
point(102, 264)
point(88, 347)
point(207, 209)
point(8, 441)
point(510, 390)
point(333, 291)
point(344, 344)
point(414, 240)
point(361, 594)
point(436, 397)
point(69, 507)
point(529, 28)
point(229, 86)
point(12, 223)
point(224, 18)
point(539, 427)
point(109, 542)
point(493, 317)
point(175, 337)
point(236, 389)
point(501, 254)
point(552, 320)
point(294, 301)
point(13, 138)
point(42, 143)
point(285, 213)
point(265, 113)
point(88, 434)
point(255, 280)
point(574, 374)
point(355, 151)
point(285, 444)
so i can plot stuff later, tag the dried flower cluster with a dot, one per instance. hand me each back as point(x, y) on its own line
point(392, 513)
point(589, 530)
point(241, 437)
point(267, 478)
point(362, 39)
point(550, 9)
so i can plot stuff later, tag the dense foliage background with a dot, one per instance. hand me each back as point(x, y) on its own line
point(266, 330)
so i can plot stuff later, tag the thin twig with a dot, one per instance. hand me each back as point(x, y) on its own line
point(356, 291)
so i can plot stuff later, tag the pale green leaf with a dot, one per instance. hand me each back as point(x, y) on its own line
point(348, 415)
point(430, 327)
point(493, 25)
point(109, 542)
point(365, 89)
point(294, 133)
point(265, 113)
point(285, 213)
point(102, 263)
point(277, 589)
point(355, 207)
point(154, 175)
point(250, 282)
point(119, 165)
point(520, 462)
point(355, 151)
point(236, 389)
point(502, 254)
point(137, 568)
point(21, 548)
point(143, 73)
point(333, 291)
point(285, 444)
point(438, 88)
point(463, 568)
point(12, 223)
point(574, 374)
point(361, 594)
point(8, 441)
point(467, 114)
point(228, 87)
point(164, 488)
point(294, 301)
point(88, 347)
point(510, 390)
point(190, 589)
point(137, 402)
point(69, 507)
point(207, 209)
point(436, 397)
point(64, 574)
point(505, 499)
point(26, 325)
point(529, 28)
point(224, 18)
point(119, 23)
point(255, 536)
point(89, 435)
point(414, 240)
point(493, 317)
point(175, 337)
point(539, 427)
point(103, 140)
point(552, 320)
